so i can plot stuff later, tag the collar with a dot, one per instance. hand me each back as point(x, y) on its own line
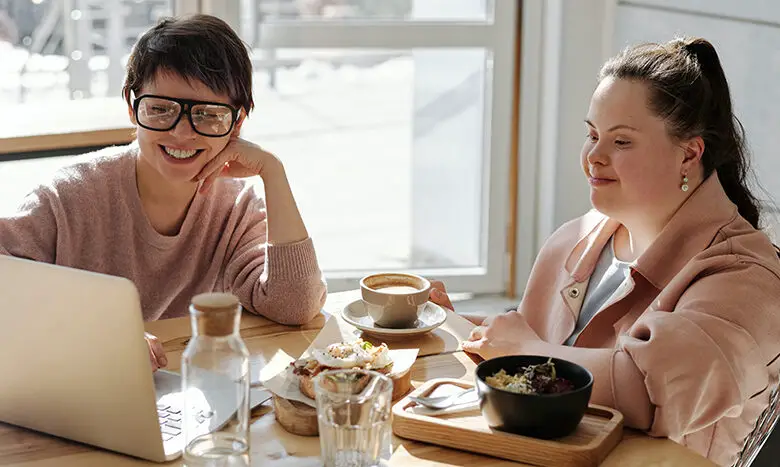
point(692, 228)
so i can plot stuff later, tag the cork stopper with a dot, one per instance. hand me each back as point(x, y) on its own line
point(216, 313)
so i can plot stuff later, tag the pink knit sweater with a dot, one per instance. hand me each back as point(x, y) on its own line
point(90, 217)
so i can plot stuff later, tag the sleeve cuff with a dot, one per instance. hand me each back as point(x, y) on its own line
point(292, 260)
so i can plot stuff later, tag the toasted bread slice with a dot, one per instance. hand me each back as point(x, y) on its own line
point(306, 384)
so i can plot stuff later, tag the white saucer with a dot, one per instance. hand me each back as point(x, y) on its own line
point(430, 318)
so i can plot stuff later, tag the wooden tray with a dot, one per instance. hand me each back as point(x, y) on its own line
point(599, 432)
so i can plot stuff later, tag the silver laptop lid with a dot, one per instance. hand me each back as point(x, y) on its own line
point(74, 362)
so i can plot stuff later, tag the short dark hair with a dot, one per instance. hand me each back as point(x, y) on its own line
point(198, 47)
point(689, 91)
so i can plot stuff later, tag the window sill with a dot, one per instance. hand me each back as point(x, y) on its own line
point(48, 142)
point(64, 125)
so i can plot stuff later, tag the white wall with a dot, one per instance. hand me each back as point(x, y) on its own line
point(581, 56)
point(756, 11)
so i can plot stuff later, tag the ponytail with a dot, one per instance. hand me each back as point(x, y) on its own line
point(724, 135)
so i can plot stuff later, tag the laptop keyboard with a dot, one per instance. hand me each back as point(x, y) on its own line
point(170, 421)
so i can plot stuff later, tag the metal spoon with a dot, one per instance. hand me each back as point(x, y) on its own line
point(441, 402)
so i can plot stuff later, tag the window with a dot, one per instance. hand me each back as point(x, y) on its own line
point(393, 118)
point(62, 68)
point(55, 50)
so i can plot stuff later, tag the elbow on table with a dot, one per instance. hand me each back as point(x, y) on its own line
point(297, 308)
point(303, 313)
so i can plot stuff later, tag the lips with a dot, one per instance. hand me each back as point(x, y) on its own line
point(179, 155)
point(599, 180)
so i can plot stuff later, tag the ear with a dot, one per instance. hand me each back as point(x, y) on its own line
point(130, 112)
point(239, 122)
point(692, 149)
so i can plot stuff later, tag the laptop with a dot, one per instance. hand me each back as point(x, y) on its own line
point(74, 364)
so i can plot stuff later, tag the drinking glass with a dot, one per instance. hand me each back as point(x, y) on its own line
point(353, 413)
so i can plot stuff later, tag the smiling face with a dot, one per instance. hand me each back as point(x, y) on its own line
point(633, 166)
point(178, 155)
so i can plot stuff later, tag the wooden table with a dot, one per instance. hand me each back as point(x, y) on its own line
point(439, 356)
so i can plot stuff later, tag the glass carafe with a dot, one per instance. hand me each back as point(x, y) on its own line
point(215, 385)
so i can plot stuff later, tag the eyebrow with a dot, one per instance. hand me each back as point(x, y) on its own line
point(616, 127)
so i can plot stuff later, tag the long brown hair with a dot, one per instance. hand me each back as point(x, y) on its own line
point(689, 91)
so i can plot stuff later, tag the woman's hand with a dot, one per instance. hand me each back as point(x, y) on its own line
point(239, 159)
point(500, 335)
point(156, 353)
point(439, 295)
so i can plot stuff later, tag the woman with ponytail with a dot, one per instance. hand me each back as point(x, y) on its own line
point(668, 291)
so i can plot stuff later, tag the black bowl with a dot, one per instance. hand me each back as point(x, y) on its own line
point(543, 416)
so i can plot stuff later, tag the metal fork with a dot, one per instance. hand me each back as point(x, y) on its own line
point(441, 402)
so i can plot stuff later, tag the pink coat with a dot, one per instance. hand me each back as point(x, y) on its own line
point(689, 349)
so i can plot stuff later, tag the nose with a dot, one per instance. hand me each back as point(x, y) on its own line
point(183, 129)
point(597, 155)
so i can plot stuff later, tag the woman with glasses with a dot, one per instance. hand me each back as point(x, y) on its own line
point(173, 211)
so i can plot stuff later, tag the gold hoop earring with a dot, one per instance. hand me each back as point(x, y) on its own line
point(684, 186)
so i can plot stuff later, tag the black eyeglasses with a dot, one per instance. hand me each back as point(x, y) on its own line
point(160, 113)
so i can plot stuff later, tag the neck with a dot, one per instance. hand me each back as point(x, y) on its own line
point(639, 231)
point(632, 239)
point(154, 189)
